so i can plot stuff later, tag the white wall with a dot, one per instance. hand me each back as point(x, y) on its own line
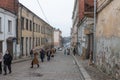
point(5, 16)
point(56, 36)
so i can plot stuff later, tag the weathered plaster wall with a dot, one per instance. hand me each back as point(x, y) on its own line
point(108, 39)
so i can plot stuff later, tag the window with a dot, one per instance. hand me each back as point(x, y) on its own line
point(36, 42)
point(26, 24)
point(39, 41)
point(33, 27)
point(22, 22)
point(36, 28)
point(0, 25)
point(9, 26)
point(39, 28)
point(30, 25)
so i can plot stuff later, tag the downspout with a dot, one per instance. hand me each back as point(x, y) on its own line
point(21, 51)
point(77, 38)
point(4, 33)
point(94, 29)
point(16, 13)
point(33, 32)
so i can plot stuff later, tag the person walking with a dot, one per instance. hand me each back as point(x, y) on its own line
point(48, 54)
point(74, 51)
point(52, 52)
point(35, 60)
point(65, 51)
point(68, 51)
point(0, 63)
point(42, 55)
point(7, 60)
point(31, 53)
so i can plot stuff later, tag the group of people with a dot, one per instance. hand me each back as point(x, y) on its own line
point(67, 51)
point(42, 53)
point(7, 60)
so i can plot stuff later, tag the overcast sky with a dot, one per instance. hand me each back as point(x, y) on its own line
point(58, 12)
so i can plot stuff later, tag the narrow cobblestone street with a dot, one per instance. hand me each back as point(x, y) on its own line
point(61, 67)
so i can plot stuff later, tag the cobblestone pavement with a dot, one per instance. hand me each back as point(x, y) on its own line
point(61, 67)
point(93, 71)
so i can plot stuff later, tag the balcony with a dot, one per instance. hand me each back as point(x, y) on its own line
point(89, 8)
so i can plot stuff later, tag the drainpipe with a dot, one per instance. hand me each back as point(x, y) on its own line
point(77, 38)
point(94, 29)
point(33, 32)
point(4, 33)
point(21, 53)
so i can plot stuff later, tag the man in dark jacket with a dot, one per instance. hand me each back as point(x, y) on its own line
point(42, 55)
point(7, 59)
point(31, 53)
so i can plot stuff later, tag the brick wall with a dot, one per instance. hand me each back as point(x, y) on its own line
point(10, 5)
point(82, 7)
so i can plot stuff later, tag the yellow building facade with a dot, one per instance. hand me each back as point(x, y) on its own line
point(32, 31)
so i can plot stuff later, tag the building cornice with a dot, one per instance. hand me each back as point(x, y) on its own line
point(21, 5)
point(7, 12)
point(103, 5)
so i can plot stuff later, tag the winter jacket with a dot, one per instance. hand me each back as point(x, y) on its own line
point(7, 58)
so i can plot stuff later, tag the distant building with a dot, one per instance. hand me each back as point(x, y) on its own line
point(57, 38)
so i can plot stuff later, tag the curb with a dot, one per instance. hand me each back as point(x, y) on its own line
point(83, 72)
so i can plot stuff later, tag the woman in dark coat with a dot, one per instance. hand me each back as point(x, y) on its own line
point(74, 51)
point(7, 60)
point(35, 60)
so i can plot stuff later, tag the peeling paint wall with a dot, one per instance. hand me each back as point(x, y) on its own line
point(108, 39)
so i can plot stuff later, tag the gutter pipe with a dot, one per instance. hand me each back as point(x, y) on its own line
point(94, 29)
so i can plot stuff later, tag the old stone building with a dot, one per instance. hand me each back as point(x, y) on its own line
point(22, 30)
point(108, 36)
point(74, 28)
point(33, 32)
point(83, 26)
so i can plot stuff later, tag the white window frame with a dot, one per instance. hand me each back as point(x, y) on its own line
point(9, 26)
point(0, 24)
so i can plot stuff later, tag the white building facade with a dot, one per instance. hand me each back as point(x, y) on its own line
point(57, 38)
point(7, 32)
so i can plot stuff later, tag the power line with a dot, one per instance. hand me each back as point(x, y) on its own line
point(42, 11)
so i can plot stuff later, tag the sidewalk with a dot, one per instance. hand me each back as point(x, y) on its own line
point(21, 60)
point(90, 72)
